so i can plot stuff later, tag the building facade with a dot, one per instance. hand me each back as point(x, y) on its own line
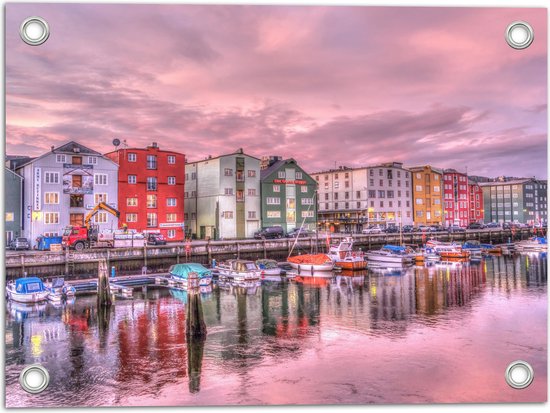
point(151, 186)
point(288, 196)
point(222, 197)
point(62, 186)
point(13, 192)
point(520, 200)
point(456, 198)
point(427, 195)
point(476, 203)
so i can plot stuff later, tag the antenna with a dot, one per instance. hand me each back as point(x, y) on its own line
point(116, 143)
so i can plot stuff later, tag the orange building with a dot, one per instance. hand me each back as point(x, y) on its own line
point(427, 184)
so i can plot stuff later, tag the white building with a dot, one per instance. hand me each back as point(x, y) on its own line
point(350, 199)
point(222, 197)
point(62, 186)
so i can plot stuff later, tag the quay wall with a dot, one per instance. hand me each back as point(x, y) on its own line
point(74, 265)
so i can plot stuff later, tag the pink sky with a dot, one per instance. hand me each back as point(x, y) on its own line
point(326, 85)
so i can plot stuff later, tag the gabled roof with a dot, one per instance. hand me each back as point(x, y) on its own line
point(210, 158)
point(266, 173)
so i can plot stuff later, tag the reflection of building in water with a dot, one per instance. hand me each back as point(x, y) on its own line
point(447, 284)
point(519, 273)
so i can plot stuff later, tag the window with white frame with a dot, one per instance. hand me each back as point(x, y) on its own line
point(307, 201)
point(100, 218)
point(171, 180)
point(100, 197)
point(51, 218)
point(227, 214)
point(251, 214)
point(171, 202)
point(228, 191)
point(152, 220)
point(100, 179)
point(281, 174)
point(299, 175)
point(51, 197)
point(132, 157)
point(151, 162)
point(131, 202)
point(307, 214)
point(92, 160)
point(51, 177)
point(171, 217)
point(228, 172)
point(251, 191)
point(304, 189)
point(151, 201)
point(273, 201)
point(277, 188)
point(60, 158)
point(251, 173)
point(171, 233)
point(274, 214)
point(132, 179)
point(171, 159)
point(131, 217)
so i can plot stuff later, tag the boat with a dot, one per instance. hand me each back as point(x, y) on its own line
point(427, 254)
point(448, 250)
point(27, 290)
point(239, 270)
point(180, 273)
point(311, 263)
point(474, 247)
point(534, 244)
point(60, 290)
point(344, 257)
point(391, 254)
point(269, 267)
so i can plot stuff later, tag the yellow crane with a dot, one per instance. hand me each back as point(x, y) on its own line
point(97, 208)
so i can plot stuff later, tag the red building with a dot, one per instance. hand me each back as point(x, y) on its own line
point(151, 190)
point(476, 202)
point(455, 198)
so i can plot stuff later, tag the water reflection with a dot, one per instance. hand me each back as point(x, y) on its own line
point(137, 350)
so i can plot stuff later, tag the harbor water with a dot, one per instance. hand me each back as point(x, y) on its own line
point(443, 333)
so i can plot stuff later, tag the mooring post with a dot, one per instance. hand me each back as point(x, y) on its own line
point(103, 287)
point(195, 325)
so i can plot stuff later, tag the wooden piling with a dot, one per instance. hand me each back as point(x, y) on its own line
point(103, 287)
point(195, 325)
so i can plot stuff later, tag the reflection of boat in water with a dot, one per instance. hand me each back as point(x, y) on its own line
point(388, 268)
point(244, 287)
point(534, 244)
point(180, 272)
point(27, 290)
point(391, 254)
point(22, 311)
point(239, 270)
point(311, 263)
point(317, 281)
point(344, 257)
point(59, 290)
point(181, 295)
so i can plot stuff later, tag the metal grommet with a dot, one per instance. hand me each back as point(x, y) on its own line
point(34, 31)
point(519, 35)
point(519, 374)
point(34, 378)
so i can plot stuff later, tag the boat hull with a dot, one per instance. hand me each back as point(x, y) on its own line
point(27, 298)
point(312, 268)
point(387, 258)
point(356, 265)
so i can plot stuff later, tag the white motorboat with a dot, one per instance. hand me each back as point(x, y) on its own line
point(535, 244)
point(60, 290)
point(27, 290)
point(344, 257)
point(392, 254)
point(269, 267)
point(239, 270)
point(311, 263)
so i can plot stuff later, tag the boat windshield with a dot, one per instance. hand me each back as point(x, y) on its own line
point(33, 287)
point(250, 266)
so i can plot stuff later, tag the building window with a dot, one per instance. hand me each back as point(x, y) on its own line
point(171, 233)
point(240, 176)
point(307, 201)
point(418, 188)
point(51, 197)
point(100, 218)
point(60, 158)
point(251, 214)
point(299, 175)
point(151, 162)
point(151, 219)
point(131, 217)
point(131, 202)
point(151, 201)
point(274, 214)
point(228, 191)
point(251, 173)
point(92, 160)
point(419, 201)
point(51, 218)
point(151, 183)
point(171, 202)
point(372, 193)
point(304, 189)
point(281, 174)
point(171, 180)
point(100, 179)
point(132, 157)
point(307, 214)
point(171, 217)
point(193, 176)
point(381, 194)
point(186, 216)
point(132, 179)
point(193, 215)
point(336, 195)
point(251, 192)
point(273, 201)
point(228, 172)
point(358, 205)
point(390, 194)
point(346, 206)
point(51, 178)
point(100, 198)
point(77, 181)
point(381, 204)
point(228, 214)
point(240, 195)
point(186, 194)
point(336, 205)
point(193, 194)
point(276, 188)
point(171, 159)
point(76, 201)
point(10, 216)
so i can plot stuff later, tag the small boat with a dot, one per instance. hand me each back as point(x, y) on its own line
point(311, 263)
point(391, 254)
point(474, 247)
point(180, 273)
point(448, 250)
point(344, 257)
point(427, 255)
point(27, 290)
point(59, 290)
point(269, 267)
point(239, 270)
point(535, 244)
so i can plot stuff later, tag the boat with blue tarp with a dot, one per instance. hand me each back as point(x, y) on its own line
point(180, 272)
point(391, 253)
point(27, 290)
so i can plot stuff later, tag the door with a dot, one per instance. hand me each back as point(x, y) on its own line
point(77, 219)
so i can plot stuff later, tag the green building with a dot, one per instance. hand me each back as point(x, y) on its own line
point(13, 183)
point(288, 195)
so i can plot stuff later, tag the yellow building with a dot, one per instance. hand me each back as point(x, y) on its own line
point(427, 183)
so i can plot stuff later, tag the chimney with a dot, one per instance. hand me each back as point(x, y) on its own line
point(52, 148)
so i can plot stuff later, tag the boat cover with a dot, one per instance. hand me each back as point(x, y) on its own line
point(29, 285)
point(183, 270)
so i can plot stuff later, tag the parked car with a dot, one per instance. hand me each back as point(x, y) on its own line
point(491, 225)
point(437, 228)
point(155, 239)
point(408, 228)
point(507, 225)
point(475, 225)
point(426, 228)
point(391, 230)
point(456, 228)
point(20, 244)
point(304, 233)
point(372, 230)
point(269, 233)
